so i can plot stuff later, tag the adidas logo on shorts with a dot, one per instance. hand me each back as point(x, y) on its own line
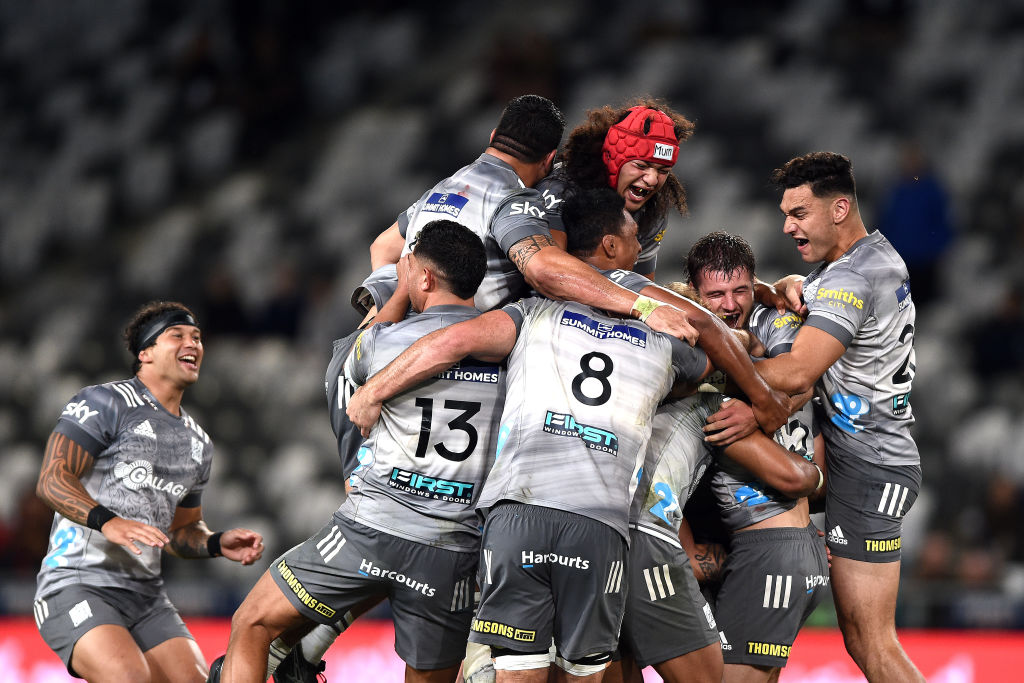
point(836, 536)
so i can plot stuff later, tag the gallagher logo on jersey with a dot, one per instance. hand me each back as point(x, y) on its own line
point(446, 203)
point(602, 330)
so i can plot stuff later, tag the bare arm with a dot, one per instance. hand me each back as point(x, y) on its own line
point(706, 559)
point(190, 538)
point(563, 277)
point(387, 247)
point(60, 487)
point(783, 470)
point(489, 337)
point(796, 371)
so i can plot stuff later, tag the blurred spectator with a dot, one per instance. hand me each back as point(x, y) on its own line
point(915, 217)
point(998, 342)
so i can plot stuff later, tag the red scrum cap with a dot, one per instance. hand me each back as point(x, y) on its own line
point(646, 134)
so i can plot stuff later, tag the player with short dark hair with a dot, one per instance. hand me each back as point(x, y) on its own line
point(776, 572)
point(124, 470)
point(856, 349)
point(407, 531)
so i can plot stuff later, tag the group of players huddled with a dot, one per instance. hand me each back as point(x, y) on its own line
point(522, 419)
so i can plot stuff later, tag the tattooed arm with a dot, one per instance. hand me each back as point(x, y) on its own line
point(60, 479)
point(706, 559)
point(60, 487)
point(190, 539)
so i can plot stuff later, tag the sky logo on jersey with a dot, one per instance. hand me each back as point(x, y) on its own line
point(596, 438)
point(446, 203)
point(848, 409)
point(551, 200)
point(366, 460)
point(429, 487)
point(471, 371)
point(80, 411)
point(750, 496)
point(602, 330)
point(903, 295)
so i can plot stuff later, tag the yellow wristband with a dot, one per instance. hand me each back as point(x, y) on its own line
point(645, 305)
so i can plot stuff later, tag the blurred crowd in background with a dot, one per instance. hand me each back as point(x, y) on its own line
point(239, 156)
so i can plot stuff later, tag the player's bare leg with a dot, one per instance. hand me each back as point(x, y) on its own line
point(263, 615)
point(865, 599)
point(433, 676)
point(700, 666)
point(109, 653)
point(176, 660)
point(750, 673)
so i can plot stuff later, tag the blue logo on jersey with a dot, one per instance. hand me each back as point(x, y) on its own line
point(430, 487)
point(848, 409)
point(448, 204)
point(502, 438)
point(750, 496)
point(668, 503)
point(596, 438)
point(602, 330)
point(903, 295)
point(365, 458)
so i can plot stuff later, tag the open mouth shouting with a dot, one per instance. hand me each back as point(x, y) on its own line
point(190, 361)
point(638, 193)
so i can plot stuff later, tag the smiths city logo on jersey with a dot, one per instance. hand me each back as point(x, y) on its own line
point(138, 475)
point(446, 203)
point(469, 370)
point(903, 295)
point(429, 487)
point(603, 330)
point(596, 438)
point(838, 298)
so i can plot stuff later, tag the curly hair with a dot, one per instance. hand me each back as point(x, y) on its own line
point(584, 166)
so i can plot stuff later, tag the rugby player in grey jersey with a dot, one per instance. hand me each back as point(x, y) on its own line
point(856, 349)
point(124, 470)
point(407, 530)
point(495, 197)
point(774, 545)
point(565, 566)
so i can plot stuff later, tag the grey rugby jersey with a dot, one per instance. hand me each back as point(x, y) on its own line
point(146, 463)
point(863, 299)
point(582, 390)
point(339, 389)
point(676, 459)
point(552, 189)
point(489, 198)
point(421, 469)
point(742, 498)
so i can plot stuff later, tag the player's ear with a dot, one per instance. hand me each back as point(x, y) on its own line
point(609, 244)
point(840, 209)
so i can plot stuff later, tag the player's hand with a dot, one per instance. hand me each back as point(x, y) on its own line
point(828, 551)
point(774, 412)
point(671, 320)
point(362, 411)
point(241, 545)
point(733, 421)
point(789, 295)
point(129, 533)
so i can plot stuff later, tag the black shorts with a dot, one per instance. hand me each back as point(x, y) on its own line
point(547, 573)
point(430, 589)
point(67, 615)
point(666, 615)
point(771, 582)
point(865, 505)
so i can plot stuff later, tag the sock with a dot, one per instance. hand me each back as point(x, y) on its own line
point(317, 641)
point(278, 651)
